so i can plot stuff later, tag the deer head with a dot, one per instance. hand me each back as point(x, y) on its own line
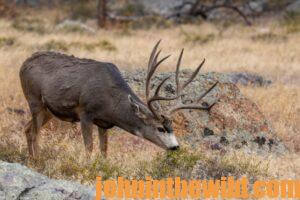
point(157, 126)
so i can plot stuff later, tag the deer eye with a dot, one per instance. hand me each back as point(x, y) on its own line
point(160, 129)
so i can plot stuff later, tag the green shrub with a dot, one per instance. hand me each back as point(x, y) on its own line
point(198, 38)
point(55, 46)
point(29, 25)
point(291, 22)
point(7, 41)
point(103, 44)
point(269, 37)
point(104, 168)
point(231, 164)
point(11, 153)
point(171, 164)
point(90, 170)
point(106, 45)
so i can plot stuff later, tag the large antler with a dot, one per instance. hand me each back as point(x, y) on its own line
point(180, 88)
point(153, 65)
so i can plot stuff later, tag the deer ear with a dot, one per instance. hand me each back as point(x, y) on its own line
point(133, 104)
point(166, 120)
point(138, 109)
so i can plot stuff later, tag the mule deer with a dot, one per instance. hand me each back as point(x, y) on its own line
point(92, 92)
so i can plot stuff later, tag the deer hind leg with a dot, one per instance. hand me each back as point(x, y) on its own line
point(87, 133)
point(28, 137)
point(103, 138)
point(32, 130)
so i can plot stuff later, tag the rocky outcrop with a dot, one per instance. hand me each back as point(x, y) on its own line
point(165, 8)
point(234, 122)
point(294, 7)
point(208, 10)
point(19, 183)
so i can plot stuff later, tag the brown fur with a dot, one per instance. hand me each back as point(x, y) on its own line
point(92, 92)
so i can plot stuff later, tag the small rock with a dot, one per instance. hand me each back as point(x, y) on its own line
point(215, 147)
point(260, 140)
point(170, 88)
point(207, 132)
point(224, 141)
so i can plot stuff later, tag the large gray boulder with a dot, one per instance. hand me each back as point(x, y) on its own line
point(21, 183)
point(234, 122)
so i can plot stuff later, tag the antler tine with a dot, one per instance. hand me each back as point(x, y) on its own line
point(194, 105)
point(205, 93)
point(153, 54)
point(156, 96)
point(193, 75)
point(150, 64)
point(177, 72)
point(151, 72)
point(159, 86)
point(153, 65)
point(190, 106)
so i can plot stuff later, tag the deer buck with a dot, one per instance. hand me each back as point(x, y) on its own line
point(92, 92)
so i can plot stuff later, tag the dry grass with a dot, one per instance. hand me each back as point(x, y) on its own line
point(232, 49)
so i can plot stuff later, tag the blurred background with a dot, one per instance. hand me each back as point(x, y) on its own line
point(108, 13)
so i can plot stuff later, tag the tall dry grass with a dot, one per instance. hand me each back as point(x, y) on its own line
point(266, 48)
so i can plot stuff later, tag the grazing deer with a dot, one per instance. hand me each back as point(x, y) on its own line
point(93, 92)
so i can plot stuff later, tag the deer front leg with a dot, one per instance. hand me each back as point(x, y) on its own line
point(87, 133)
point(103, 138)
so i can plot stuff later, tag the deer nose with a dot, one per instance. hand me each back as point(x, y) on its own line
point(174, 148)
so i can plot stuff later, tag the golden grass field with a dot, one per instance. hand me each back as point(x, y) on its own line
point(267, 48)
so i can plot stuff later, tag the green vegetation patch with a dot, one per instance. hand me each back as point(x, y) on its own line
point(87, 172)
point(106, 45)
point(233, 164)
point(29, 25)
point(57, 45)
point(54, 45)
point(7, 41)
point(103, 44)
point(170, 164)
point(269, 37)
point(291, 22)
point(192, 165)
point(198, 38)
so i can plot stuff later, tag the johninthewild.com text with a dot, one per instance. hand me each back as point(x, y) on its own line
point(226, 187)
